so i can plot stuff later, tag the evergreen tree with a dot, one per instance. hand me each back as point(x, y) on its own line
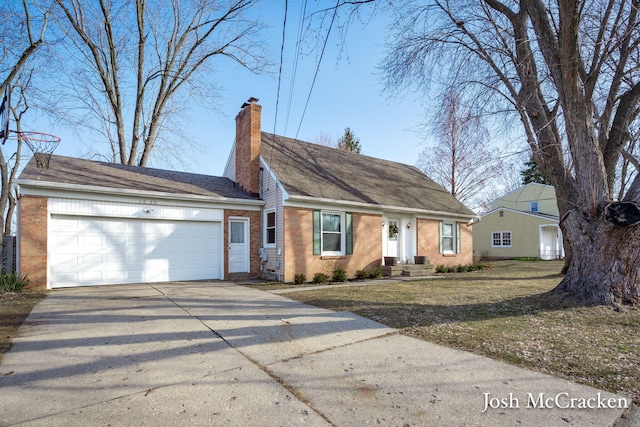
point(349, 142)
point(532, 173)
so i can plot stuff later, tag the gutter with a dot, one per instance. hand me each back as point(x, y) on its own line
point(133, 193)
point(317, 200)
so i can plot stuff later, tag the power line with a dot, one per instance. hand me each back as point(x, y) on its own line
point(313, 82)
point(296, 58)
point(284, 33)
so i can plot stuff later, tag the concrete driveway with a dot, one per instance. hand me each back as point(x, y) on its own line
point(217, 353)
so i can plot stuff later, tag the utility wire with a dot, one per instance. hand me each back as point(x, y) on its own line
point(315, 75)
point(313, 82)
point(284, 33)
point(296, 58)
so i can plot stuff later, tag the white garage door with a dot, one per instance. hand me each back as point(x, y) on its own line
point(98, 251)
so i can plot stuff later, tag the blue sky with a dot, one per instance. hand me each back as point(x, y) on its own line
point(348, 93)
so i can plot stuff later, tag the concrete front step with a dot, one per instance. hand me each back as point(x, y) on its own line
point(427, 271)
point(407, 270)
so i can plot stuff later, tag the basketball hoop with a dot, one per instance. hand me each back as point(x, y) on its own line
point(41, 144)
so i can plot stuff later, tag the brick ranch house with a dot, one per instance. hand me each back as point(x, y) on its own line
point(283, 207)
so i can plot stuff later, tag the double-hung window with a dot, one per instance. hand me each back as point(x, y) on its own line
point(533, 207)
point(449, 237)
point(270, 228)
point(332, 236)
point(332, 233)
point(501, 239)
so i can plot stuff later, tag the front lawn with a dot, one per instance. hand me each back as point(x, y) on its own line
point(505, 313)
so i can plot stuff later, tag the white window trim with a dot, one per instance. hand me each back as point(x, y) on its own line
point(532, 204)
point(343, 233)
point(502, 239)
point(453, 237)
point(264, 231)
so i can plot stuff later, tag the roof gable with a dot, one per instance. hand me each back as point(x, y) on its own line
point(80, 172)
point(521, 198)
point(312, 170)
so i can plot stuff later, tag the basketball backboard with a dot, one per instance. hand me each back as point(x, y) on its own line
point(5, 113)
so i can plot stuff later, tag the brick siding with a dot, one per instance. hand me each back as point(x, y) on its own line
point(298, 245)
point(429, 244)
point(248, 141)
point(33, 240)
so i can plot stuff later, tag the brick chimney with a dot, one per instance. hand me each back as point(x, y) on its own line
point(248, 140)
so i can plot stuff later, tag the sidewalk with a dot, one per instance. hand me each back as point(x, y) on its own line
point(223, 354)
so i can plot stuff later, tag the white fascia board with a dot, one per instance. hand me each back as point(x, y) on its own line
point(308, 202)
point(284, 193)
point(75, 191)
point(544, 217)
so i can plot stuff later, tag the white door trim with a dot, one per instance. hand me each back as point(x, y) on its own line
point(241, 265)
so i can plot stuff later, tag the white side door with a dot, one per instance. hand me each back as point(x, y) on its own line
point(548, 242)
point(239, 245)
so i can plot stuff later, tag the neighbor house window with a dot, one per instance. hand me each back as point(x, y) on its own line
point(332, 233)
point(449, 237)
point(533, 206)
point(501, 239)
point(270, 228)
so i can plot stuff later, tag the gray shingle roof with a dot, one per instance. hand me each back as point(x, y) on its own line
point(69, 170)
point(313, 170)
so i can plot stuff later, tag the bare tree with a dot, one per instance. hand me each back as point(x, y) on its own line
point(570, 73)
point(21, 37)
point(22, 30)
point(136, 60)
point(324, 138)
point(460, 160)
point(627, 170)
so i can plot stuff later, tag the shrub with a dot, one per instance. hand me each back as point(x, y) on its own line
point(12, 282)
point(479, 266)
point(299, 279)
point(361, 275)
point(375, 273)
point(320, 278)
point(461, 268)
point(339, 275)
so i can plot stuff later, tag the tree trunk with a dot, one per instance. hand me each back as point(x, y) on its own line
point(604, 268)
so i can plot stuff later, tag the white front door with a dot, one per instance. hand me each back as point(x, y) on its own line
point(238, 246)
point(393, 230)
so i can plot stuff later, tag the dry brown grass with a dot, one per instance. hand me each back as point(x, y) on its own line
point(14, 308)
point(506, 313)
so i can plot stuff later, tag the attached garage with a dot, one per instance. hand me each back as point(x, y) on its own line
point(88, 251)
point(86, 223)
